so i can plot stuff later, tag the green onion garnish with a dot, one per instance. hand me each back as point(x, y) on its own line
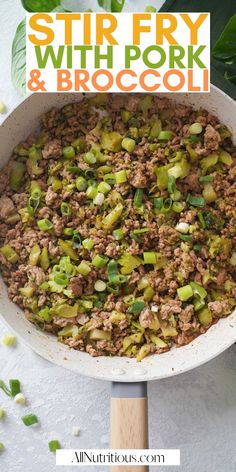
point(76, 240)
point(171, 184)
point(113, 273)
point(196, 201)
point(61, 279)
point(158, 203)
point(184, 293)
point(88, 244)
point(186, 237)
point(65, 209)
point(100, 261)
point(136, 307)
point(121, 177)
point(81, 184)
point(138, 198)
point(205, 178)
point(29, 420)
point(118, 234)
point(45, 224)
point(197, 247)
point(14, 387)
point(5, 389)
point(68, 152)
point(149, 257)
point(201, 219)
point(89, 158)
point(83, 268)
point(54, 445)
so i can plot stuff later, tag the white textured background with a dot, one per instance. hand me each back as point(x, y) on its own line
point(195, 412)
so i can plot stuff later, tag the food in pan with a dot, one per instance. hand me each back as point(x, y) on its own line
point(118, 224)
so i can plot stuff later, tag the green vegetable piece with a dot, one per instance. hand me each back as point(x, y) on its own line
point(162, 177)
point(128, 144)
point(155, 129)
point(99, 335)
point(68, 152)
point(148, 294)
point(88, 244)
point(16, 175)
point(171, 184)
point(209, 193)
point(138, 198)
point(125, 116)
point(5, 389)
point(34, 255)
point(84, 268)
point(165, 135)
point(233, 259)
point(208, 162)
point(136, 307)
point(143, 352)
point(9, 339)
point(67, 249)
point(121, 176)
point(111, 141)
point(198, 202)
point(145, 104)
point(89, 158)
point(149, 257)
point(118, 234)
point(224, 49)
point(27, 291)
point(100, 261)
point(81, 184)
point(129, 263)
point(2, 447)
point(65, 209)
point(29, 420)
point(69, 331)
point(9, 253)
point(53, 445)
point(44, 314)
point(158, 342)
point(45, 224)
point(225, 157)
point(150, 9)
point(198, 290)
point(44, 259)
point(14, 387)
point(205, 317)
point(112, 217)
point(65, 311)
point(184, 293)
point(195, 128)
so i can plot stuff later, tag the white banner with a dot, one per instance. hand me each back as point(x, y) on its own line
point(118, 457)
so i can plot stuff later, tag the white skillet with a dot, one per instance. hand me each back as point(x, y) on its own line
point(129, 403)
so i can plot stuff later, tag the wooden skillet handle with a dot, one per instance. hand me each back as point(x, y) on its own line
point(129, 420)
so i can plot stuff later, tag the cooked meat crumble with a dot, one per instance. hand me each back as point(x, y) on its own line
point(118, 224)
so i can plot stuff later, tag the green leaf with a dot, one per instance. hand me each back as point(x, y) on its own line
point(112, 5)
point(40, 5)
point(18, 64)
point(231, 78)
point(225, 48)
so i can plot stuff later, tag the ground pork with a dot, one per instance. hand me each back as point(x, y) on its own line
point(6, 207)
point(52, 149)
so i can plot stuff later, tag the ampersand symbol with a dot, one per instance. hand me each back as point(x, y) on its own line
point(34, 83)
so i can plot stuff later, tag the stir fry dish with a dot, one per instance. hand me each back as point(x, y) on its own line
point(118, 224)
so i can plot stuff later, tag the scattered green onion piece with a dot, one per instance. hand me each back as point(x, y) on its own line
point(128, 144)
point(54, 445)
point(68, 231)
point(171, 184)
point(125, 115)
point(165, 135)
point(9, 339)
point(201, 219)
point(1, 447)
point(177, 207)
point(29, 420)
point(5, 389)
point(197, 247)
point(100, 261)
point(9, 253)
point(186, 237)
point(83, 268)
point(2, 413)
point(110, 178)
point(16, 175)
point(61, 279)
point(113, 216)
point(76, 240)
point(113, 273)
point(205, 178)
point(205, 317)
point(140, 231)
point(14, 387)
point(91, 192)
point(195, 128)
point(90, 173)
point(198, 290)
point(89, 158)
point(118, 234)
point(158, 203)
point(99, 199)
point(88, 244)
point(184, 293)
point(104, 187)
point(182, 227)
point(44, 259)
point(226, 158)
point(100, 286)
point(66, 209)
point(150, 9)
point(121, 176)
point(136, 307)
point(167, 205)
point(198, 202)
point(149, 257)
point(68, 152)
point(81, 184)
point(112, 288)
point(138, 198)
point(45, 225)
point(44, 314)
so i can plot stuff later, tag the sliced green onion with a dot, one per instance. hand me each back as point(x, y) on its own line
point(99, 199)
point(5, 389)
point(149, 257)
point(158, 203)
point(61, 279)
point(104, 187)
point(1, 447)
point(16, 175)
point(90, 173)
point(29, 420)
point(89, 158)
point(68, 152)
point(66, 209)
point(68, 231)
point(150, 9)
point(165, 135)
point(171, 184)
point(198, 290)
point(32, 205)
point(186, 237)
point(81, 184)
point(118, 234)
point(76, 239)
point(167, 204)
point(205, 178)
point(195, 128)
point(88, 244)
point(44, 313)
point(198, 202)
point(177, 207)
point(9, 253)
point(113, 273)
point(110, 178)
point(54, 445)
point(184, 293)
point(14, 387)
point(83, 268)
point(136, 307)
point(197, 247)
point(128, 144)
point(100, 261)
point(91, 192)
point(205, 317)
point(45, 225)
point(121, 176)
point(100, 286)
point(8, 339)
point(112, 288)
point(201, 219)
point(138, 198)
point(113, 216)
point(182, 227)
point(2, 413)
